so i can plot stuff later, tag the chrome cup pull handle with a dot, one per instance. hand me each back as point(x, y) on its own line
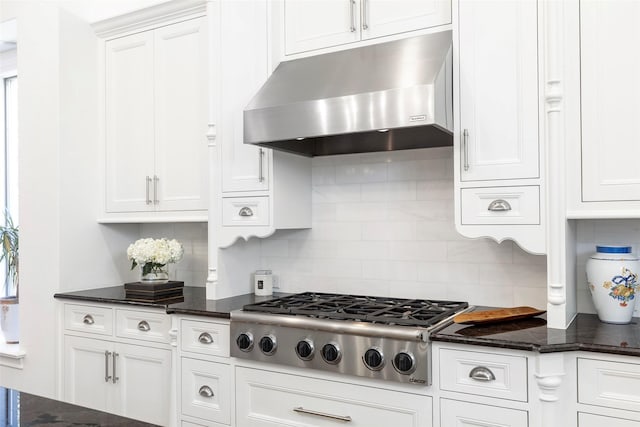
point(245, 211)
point(482, 373)
point(205, 391)
point(499, 205)
point(143, 326)
point(205, 338)
point(88, 319)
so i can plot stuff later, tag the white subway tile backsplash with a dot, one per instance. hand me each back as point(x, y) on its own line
point(358, 173)
point(389, 270)
point(389, 191)
point(387, 230)
point(336, 193)
point(383, 224)
point(480, 251)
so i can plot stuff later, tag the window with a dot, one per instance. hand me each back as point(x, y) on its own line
point(9, 161)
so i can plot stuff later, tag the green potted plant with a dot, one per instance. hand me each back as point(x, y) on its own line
point(9, 307)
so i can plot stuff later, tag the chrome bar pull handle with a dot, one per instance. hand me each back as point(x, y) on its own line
point(260, 165)
point(245, 211)
point(499, 205)
point(301, 410)
point(107, 377)
point(205, 338)
point(148, 200)
point(205, 391)
point(365, 12)
point(482, 373)
point(156, 183)
point(88, 319)
point(143, 326)
point(115, 377)
point(465, 148)
point(352, 4)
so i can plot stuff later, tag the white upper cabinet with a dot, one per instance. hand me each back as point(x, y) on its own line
point(316, 24)
point(129, 123)
point(156, 124)
point(181, 115)
point(498, 80)
point(260, 190)
point(610, 100)
point(243, 70)
point(499, 187)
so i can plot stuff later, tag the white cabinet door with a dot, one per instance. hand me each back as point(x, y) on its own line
point(464, 414)
point(498, 81)
point(129, 123)
point(610, 103)
point(315, 24)
point(143, 389)
point(244, 69)
point(87, 368)
point(591, 420)
point(180, 64)
point(385, 17)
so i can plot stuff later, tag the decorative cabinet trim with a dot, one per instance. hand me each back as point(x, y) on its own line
point(149, 17)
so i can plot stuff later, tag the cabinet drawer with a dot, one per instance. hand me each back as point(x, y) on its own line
point(462, 414)
point(591, 420)
point(610, 384)
point(484, 374)
point(265, 398)
point(205, 337)
point(86, 318)
point(501, 205)
point(245, 211)
point(206, 390)
point(143, 325)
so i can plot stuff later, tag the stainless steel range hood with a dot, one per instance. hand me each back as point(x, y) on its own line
point(390, 96)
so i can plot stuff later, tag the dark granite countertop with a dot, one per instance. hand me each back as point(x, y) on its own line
point(31, 410)
point(193, 301)
point(586, 333)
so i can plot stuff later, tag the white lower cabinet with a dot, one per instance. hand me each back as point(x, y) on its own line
point(465, 414)
point(205, 383)
point(266, 398)
point(205, 390)
point(114, 375)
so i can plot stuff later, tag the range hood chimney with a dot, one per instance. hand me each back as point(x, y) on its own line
point(390, 96)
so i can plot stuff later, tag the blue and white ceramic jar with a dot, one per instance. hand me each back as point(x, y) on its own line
point(612, 276)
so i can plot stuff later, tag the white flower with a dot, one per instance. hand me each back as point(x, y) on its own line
point(155, 251)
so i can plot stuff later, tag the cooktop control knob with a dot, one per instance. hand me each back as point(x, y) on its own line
point(268, 344)
point(245, 341)
point(304, 349)
point(331, 353)
point(404, 363)
point(373, 359)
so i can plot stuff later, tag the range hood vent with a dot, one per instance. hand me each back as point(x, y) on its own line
point(390, 96)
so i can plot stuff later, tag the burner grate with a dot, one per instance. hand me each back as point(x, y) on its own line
point(383, 310)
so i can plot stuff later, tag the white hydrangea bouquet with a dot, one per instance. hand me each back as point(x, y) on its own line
point(153, 256)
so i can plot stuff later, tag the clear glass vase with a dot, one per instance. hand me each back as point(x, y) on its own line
point(154, 273)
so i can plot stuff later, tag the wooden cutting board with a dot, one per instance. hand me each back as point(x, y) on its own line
point(497, 315)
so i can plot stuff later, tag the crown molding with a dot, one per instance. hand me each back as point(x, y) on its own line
point(149, 17)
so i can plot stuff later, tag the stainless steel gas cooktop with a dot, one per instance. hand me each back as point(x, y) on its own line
point(376, 337)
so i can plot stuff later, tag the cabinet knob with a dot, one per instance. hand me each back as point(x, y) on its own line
point(205, 338)
point(88, 319)
point(143, 326)
point(245, 211)
point(482, 373)
point(499, 205)
point(205, 391)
